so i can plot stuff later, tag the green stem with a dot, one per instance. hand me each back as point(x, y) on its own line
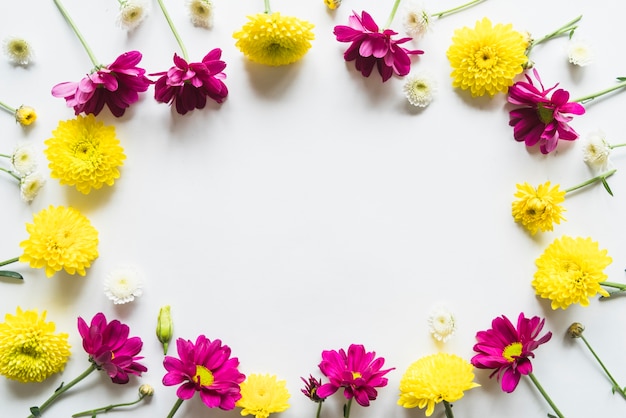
point(178, 403)
point(18, 178)
point(599, 177)
point(8, 108)
point(174, 31)
point(545, 395)
point(64, 388)
point(392, 14)
point(614, 285)
point(617, 145)
point(590, 97)
point(456, 9)
point(268, 10)
point(346, 409)
point(319, 409)
point(69, 20)
point(569, 27)
point(616, 386)
point(94, 412)
point(449, 413)
point(9, 261)
point(6, 156)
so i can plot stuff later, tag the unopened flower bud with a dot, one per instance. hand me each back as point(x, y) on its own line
point(146, 390)
point(164, 327)
point(25, 115)
point(575, 330)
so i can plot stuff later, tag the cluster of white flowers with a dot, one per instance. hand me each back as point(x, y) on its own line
point(24, 169)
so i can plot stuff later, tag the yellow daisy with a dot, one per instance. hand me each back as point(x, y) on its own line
point(571, 270)
point(84, 153)
point(433, 379)
point(60, 238)
point(262, 395)
point(30, 351)
point(538, 209)
point(272, 39)
point(486, 59)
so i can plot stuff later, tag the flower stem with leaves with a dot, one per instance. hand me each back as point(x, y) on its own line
point(143, 393)
point(456, 9)
point(590, 97)
point(567, 28)
point(600, 177)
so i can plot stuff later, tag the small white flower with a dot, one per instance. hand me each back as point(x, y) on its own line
point(201, 13)
point(123, 285)
point(416, 20)
point(579, 52)
point(596, 151)
point(18, 50)
point(420, 89)
point(441, 323)
point(23, 160)
point(30, 186)
point(132, 13)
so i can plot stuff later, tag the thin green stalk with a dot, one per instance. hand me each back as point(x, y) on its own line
point(82, 40)
point(268, 10)
point(319, 409)
point(545, 395)
point(8, 108)
point(104, 409)
point(346, 409)
point(6, 156)
point(18, 178)
point(599, 177)
point(393, 13)
point(614, 285)
point(569, 27)
point(616, 386)
point(590, 97)
point(448, 407)
point(456, 9)
point(178, 403)
point(174, 31)
point(60, 391)
point(9, 261)
point(617, 145)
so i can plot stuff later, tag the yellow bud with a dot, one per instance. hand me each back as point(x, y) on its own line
point(164, 327)
point(146, 390)
point(25, 115)
point(575, 330)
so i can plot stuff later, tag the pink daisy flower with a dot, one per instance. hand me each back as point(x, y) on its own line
point(205, 367)
point(117, 85)
point(110, 349)
point(543, 117)
point(370, 47)
point(507, 349)
point(358, 372)
point(189, 84)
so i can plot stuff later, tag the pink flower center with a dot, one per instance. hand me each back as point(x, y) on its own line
point(512, 351)
point(203, 376)
point(546, 115)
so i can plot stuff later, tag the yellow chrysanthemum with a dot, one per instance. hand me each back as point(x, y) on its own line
point(30, 351)
point(84, 153)
point(25, 115)
point(433, 379)
point(272, 39)
point(486, 59)
point(538, 209)
point(571, 271)
point(60, 238)
point(262, 395)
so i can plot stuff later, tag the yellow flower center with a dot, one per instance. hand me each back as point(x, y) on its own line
point(203, 376)
point(485, 58)
point(512, 351)
point(356, 375)
point(535, 206)
point(573, 272)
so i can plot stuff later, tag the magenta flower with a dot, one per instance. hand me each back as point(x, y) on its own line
point(189, 84)
point(370, 47)
point(543, 117)
point(205, 367)
point(358, 372)
point(110, 349)
point(117, 85)
point(507, 349)
point(310, 388)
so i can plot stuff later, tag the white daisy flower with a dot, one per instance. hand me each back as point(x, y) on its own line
point(596, 151)
point(201, 13)
point(123, 285)
point(132, 13)
point(420, 89)
point(24, 160)
point(579, 52)
point(18, 50)
point(30, 186)
point(441, 323)
point(416, 20)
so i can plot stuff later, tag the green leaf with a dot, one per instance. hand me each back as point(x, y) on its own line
point(11, 275)
point(606, 186)
point(34, 411)
point(621, 78)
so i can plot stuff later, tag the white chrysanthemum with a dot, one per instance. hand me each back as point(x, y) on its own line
point(23, 160)
point(596, 151)
point(18, 50)
point(420, 89)
point(123, 285)
point(132, 13)
point(201, 12)
point(441, 323)
point(416, 20)
point(579, 52)
point(30, 186)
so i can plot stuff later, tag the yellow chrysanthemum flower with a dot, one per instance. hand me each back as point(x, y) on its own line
point(30, 351)
point(538, 209)
point(262, 395)
point(84, 153)
point(60, 238)
point(25, 115)
point(571, 271)
point(486, 59)
point(433, 379)
point(272, 39)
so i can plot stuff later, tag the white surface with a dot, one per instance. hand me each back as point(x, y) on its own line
point(316, 208)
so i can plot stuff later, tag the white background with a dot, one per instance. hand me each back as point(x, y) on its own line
point(316, 208)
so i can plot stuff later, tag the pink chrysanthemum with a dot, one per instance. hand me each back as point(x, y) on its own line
point(205, 367)
point(110, 349)
point(189, 84)
point(370, 47)
point(358, 372)
point(507, 349)
point(117, 85)
point(543, 117)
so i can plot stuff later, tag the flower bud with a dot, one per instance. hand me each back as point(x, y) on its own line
point(146, 390)
point(25, 115)
point(164, 327)
point(575, 330)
